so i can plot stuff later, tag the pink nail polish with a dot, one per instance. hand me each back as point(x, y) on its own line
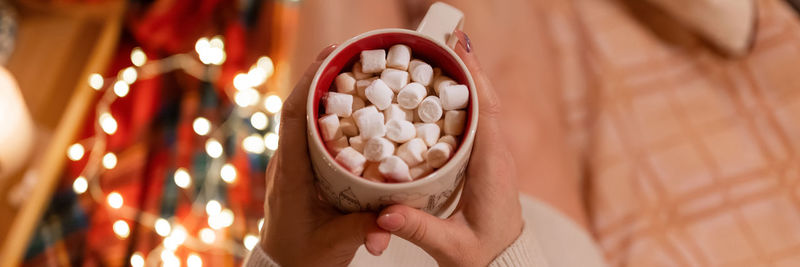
point(463, 39)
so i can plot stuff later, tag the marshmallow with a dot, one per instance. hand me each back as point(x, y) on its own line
point(440, 82)
point(358, 103)
point(412, 151)
point(394, 169)
point(428, 132)
point(420, 171)
point(372, 173)
point(438, 155)
point(346, 83)
point(378, 148)
point(373, 61)
point(395, 79)
point(337, 145)
point(398, 57)
point(351, 160)
point(420, 72)
point(454, 121)
point(348, 126)
point(329, 126)
point(379, 94)
point(395, 112)
point(454, 96)
point(361, 86)
point(430, 110)
point(400, 131)
point(410, 96)
point(448, 139)
point(339, 104)
point(358, 74)
point(357, 143)
point(369, 122)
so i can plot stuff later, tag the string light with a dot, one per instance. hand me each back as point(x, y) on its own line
point(273, 104)
point(194, 260)
point(122, 229)
point(250, 241)
point(211, 51)
point(260, 224)
point(169, 259)
point(176, 238)
point(277, 122)
point(109, 160)
point(162, 227)
point(259, 120)
point(240, 82)
point(96, 81)
point(228, 173)
point(256, 76)
point(271, 141)
point(128, 75)
point(138, 57)
point(207, 235)
point(75, 152)
point(213, 208)
point(253, 144)
point(246, 97)
point(182, 178)
point(115, 200)
point(221, 220)
point(121, 88)
point(137, 260)
point(108, 123)
point(265, 63)
point(201, 126)
point(80, 185)
point(213, 148)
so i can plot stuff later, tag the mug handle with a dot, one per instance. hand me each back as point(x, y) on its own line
point(440, 21)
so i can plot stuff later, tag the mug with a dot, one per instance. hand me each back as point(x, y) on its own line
point(434, 193)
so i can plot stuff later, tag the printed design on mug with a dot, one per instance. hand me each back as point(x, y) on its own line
point(348, 201)
point(435, 202)
point(460, 176)
point(400, 198)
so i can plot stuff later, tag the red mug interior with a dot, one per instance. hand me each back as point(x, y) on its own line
point(421, 48)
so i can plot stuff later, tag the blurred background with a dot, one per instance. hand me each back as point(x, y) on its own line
point(137, 132)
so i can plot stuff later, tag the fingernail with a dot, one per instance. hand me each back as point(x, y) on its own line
point(372, 250)
point(463, 39)
point(391, 221)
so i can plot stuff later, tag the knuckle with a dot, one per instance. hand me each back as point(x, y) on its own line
point(418, 232)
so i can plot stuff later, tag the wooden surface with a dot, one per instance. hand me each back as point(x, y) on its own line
point(57, 48)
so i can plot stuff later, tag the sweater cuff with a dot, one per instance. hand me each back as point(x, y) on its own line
point(258, 257)
point(524, 251)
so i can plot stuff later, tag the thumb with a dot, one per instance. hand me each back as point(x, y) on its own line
point(348, 232)
point(424, 230)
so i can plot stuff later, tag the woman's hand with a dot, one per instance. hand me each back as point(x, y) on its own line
point(300, 229)
point(488, 218)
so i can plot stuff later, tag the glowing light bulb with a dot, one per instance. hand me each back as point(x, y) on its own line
point(265, 63)
point(194, 260)
point(122, 229)
point(182, 178)
point(201, 45)
point(138, 57)
point(109, 160)
point(260, 224)
point(162, 227)
point(129, 75)
point(227, 217)
point(246, 97)
point(228, 173)
point(253, 144)
point(201, 126)
point(213, 148)
point(277, 122)
point(240, 82)
point(121, 88)
point(259, 120)
point(213, 208)
point(256, 76)
point(216, 42)
point(96, 81)
point(250, 241)
point(169, 259)
point(115, 200)
point(108, 123)
point(75, 152)
point(137, 260)
point(176, 238)
point(80, 185)
point(273, 104)
point(271, 141)
point(207, 235)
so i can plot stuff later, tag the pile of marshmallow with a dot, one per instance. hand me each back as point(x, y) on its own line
point(393, 118)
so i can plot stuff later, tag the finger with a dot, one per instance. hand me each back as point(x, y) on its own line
point(292, 144)
point(424, 230)
point(348, 232)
